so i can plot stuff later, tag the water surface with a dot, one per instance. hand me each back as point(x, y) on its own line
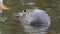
point(9, 23)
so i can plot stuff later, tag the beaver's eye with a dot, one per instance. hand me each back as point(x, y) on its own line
point(24, 10)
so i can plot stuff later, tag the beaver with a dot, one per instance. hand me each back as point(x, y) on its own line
point(34, 20)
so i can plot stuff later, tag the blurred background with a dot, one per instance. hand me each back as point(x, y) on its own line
point(9, 23)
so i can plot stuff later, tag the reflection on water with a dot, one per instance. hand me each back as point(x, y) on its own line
point(30, 3)
point(40, 32)
point(3, 19)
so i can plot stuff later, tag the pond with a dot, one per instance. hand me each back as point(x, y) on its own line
point(9, 23)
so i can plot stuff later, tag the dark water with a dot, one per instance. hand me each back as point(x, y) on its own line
point(9, 23)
